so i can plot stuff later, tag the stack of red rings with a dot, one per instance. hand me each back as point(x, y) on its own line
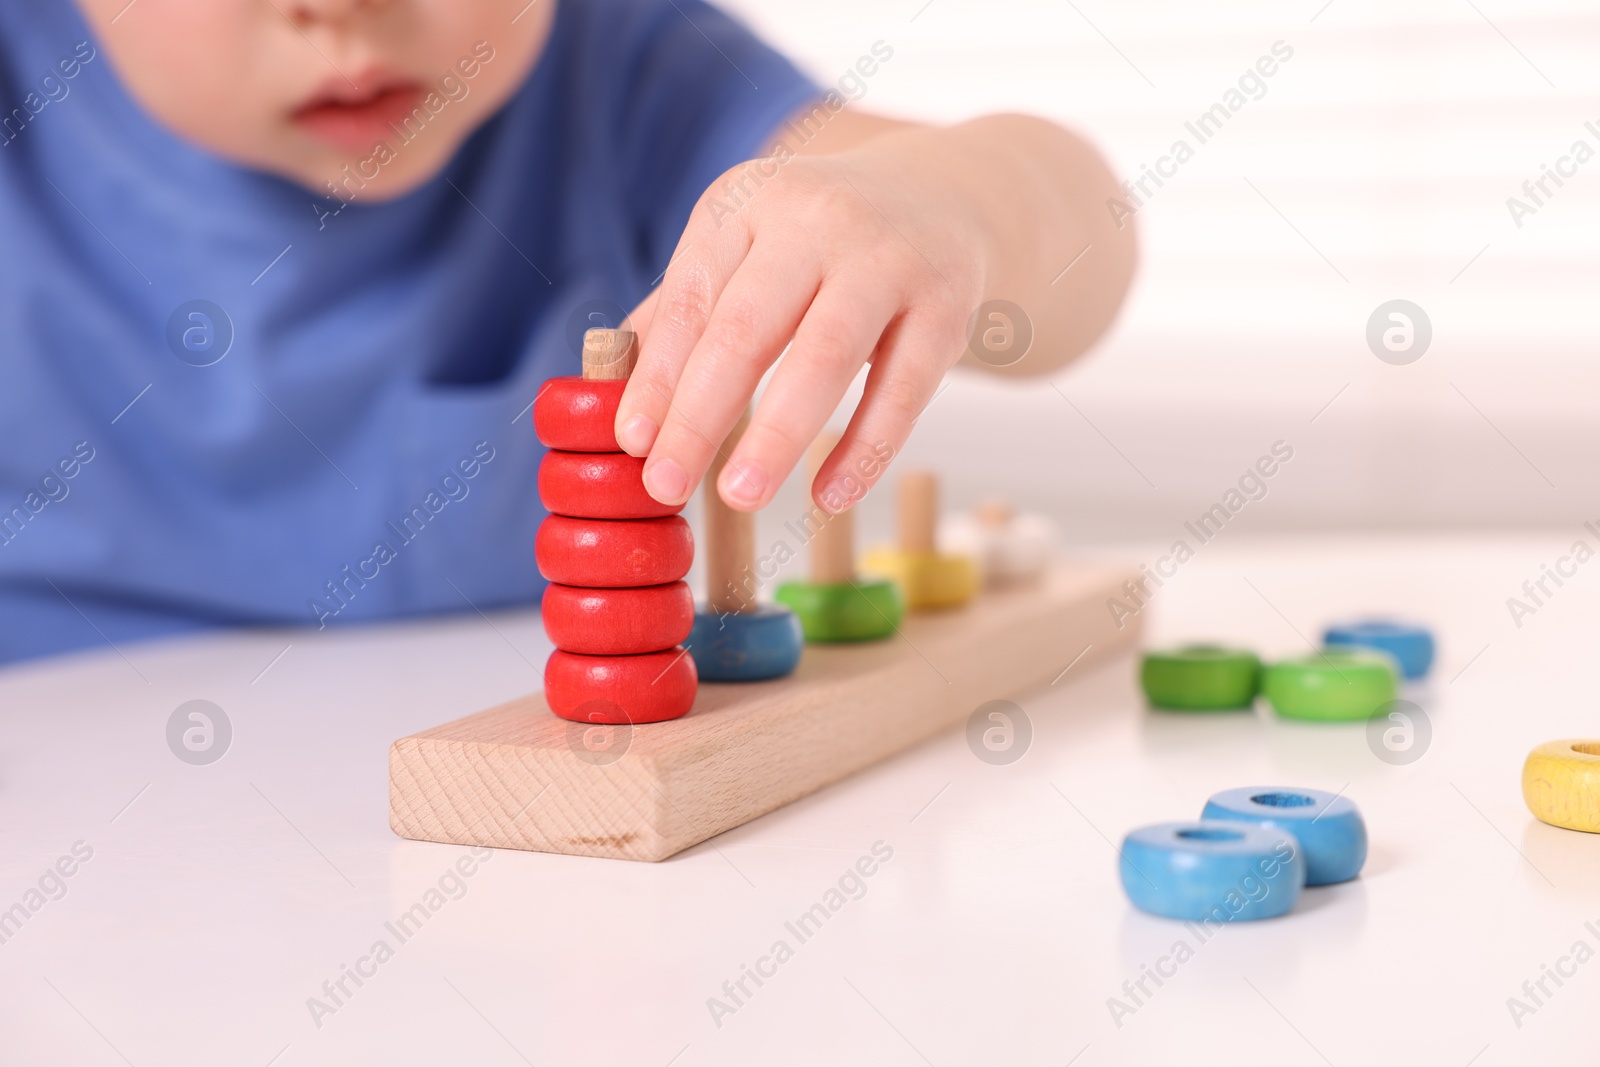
point(617, 606)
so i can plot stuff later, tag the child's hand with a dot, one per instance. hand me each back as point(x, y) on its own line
point(852, 256)
point(878, 255)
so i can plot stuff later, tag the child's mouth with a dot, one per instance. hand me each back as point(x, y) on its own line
point(356, 120)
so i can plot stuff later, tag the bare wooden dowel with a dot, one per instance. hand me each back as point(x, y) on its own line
point(609, 355)
point(833, 547)
point(730, 539)
point(919, 511)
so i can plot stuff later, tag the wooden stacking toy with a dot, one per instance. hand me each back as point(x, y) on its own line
point(566, 770)
point(1011, 549)
point(736, 638)
point(617, 606)
point(836, 605)
point(929, 579)
point(1561, 784)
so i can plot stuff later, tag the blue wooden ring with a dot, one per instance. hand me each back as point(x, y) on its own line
point(746, 646)
point(1329, 827)
point(1411, 645)
point(1212, 871)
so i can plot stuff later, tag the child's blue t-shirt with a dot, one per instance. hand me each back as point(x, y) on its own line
point(227, 400)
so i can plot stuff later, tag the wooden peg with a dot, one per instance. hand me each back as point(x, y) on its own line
point(609, 355)
point(919, 511)
point(730, 539)
point(929, 579)
point(834, 544)
point(994, 513)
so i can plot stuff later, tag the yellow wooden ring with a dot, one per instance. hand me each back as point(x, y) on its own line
point(1561, 783)
point(930, 580)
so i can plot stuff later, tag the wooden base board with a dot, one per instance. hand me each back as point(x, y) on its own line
point(516, 776)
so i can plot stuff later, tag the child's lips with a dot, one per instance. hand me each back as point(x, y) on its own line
point(357, 123)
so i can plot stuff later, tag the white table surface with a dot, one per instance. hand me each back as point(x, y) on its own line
point(219, 898)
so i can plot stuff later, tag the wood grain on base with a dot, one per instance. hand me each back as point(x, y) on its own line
point(516, 776)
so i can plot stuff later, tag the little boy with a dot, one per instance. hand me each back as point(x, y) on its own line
point(283, 278)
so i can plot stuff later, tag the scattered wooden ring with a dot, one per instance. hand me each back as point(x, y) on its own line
point(614, 553)
point(651, 687)
point(597, 485)
point(859, 610)
point(1411, 645)
point(1332, 685)
point(578, 414)
point(1561, 784)
point(617, 622)
point(1217, 871)
point(1200, 678)
point(740, 646)
point(1328, 826)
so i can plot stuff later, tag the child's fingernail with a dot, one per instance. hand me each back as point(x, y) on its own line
point(637, 435)
point(743, 483)
point(666, 482)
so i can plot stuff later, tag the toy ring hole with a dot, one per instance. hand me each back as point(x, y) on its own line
point(1206, 834)
point(1587, 748)
point(1283, 800)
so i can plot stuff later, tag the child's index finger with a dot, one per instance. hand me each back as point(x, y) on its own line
point(754, 319)
point(693, 283)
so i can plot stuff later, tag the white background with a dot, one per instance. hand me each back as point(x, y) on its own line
point(1391, 141)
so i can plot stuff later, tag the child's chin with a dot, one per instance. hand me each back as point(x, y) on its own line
point(370, 177)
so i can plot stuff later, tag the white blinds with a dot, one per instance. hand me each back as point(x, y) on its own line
point(1391, 140)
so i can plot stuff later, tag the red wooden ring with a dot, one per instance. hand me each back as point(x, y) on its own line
point(614, 553)
point(597, 485)
point(578, 414)
point(618, 622)
point(651, 687)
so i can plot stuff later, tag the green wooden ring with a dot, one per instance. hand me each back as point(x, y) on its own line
point(844, 611)
point(1332, 685)
point(1200, 678)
